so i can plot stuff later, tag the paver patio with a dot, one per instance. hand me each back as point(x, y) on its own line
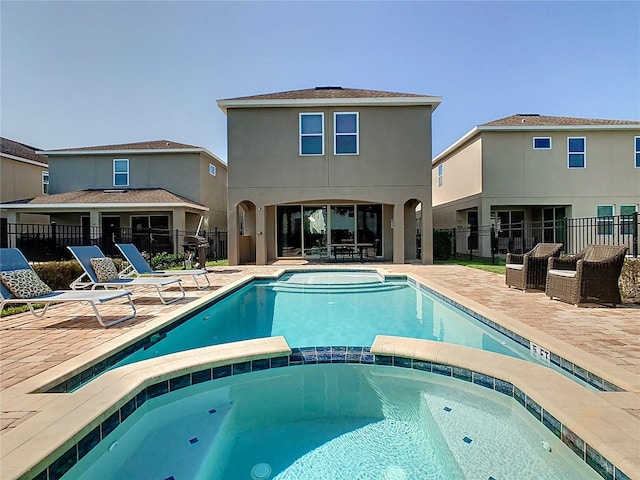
point(598, 337)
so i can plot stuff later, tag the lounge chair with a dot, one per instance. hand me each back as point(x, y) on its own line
point(529, 270)
point(590, 276)
point(138, 265)
point(21, 285)
point(99, 271)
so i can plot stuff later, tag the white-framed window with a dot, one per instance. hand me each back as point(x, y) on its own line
point(120, 172)
point(45, 182)
point(637, 150)
point(346, 126)
point(440, 173)
point(605, 219)
point(212, 169)
point(542, 143)
point(311, 134)
point(626, 218)
point(576, 152)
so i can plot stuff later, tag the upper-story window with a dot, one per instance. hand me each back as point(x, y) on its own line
point(121, 172)
point(577, 152)
point(440, 173)
point(637, 157)
point(346, 133)
point(542, 143)
point(312, 134)
point(45, 182)
point(212, 169)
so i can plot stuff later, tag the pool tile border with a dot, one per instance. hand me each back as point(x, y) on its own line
point(327, 355)
point(579, 372)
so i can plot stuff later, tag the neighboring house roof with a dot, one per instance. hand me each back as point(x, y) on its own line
point(154, 146)
point(20, 151)
point(536, 122)
point(534, 119)
point(329, 96)
point(130, 197)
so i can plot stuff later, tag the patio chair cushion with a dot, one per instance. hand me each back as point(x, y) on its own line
point(104, 268)
point(515, 266)
point(563, 273)
point(24, 283)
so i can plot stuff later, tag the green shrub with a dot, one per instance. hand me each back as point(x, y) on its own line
point(58, 275)
point(442, 244)
point(630, 280)
point(163, 261)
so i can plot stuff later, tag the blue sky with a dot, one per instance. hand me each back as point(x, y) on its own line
point(87, 73)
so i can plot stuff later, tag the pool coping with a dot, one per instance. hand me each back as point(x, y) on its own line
point(586, 421)
point(50, 406)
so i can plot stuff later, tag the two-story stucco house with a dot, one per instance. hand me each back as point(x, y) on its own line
point(319, 172)
point(156, 187)
point(24, 174)
point(536, 168)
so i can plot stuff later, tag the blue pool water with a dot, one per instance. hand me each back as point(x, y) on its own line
point(332, 422)
point(329, 308)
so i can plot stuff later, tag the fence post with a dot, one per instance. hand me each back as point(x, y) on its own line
point(635, 235)
point(453, 239)
point(492, 241)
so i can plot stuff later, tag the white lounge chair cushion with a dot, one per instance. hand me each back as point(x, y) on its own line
point(24, 283)
point(563, 273)
point(515, 266)
point(104, 268)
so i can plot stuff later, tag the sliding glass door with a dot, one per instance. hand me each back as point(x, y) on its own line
point(289, 233)
point(315, 231)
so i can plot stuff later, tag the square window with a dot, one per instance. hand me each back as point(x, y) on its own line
point(212, 169)
point(577, 152)
point(346, 133)
point(311, 134)
point(121, 172)
point(542, 143)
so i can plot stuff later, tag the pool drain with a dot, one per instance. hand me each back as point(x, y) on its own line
point(261, 471)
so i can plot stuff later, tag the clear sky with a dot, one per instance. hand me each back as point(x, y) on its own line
point(77, 74)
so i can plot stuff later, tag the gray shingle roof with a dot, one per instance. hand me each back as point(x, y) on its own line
point(125, 196)
point(327, 92)
point(523, 120)
point(151, 145)
point(21, 150)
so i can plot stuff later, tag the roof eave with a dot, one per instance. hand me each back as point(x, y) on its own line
point(25, 160)
point(457, 144)
point(558, 127)
point(75, 206)
point(433, 101)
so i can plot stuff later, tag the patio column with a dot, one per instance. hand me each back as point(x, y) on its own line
point(261, 238)
point(398, 232)
point(94, 226)
point(179, 223)
point(232, 235)
point(12, 217)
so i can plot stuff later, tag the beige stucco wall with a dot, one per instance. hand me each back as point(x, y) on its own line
point(266, 169)
point(462, 174)
point(213, 191)
point(514, 173)
point(18, 181)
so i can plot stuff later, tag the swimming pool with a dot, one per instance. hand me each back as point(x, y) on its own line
point(332, 421)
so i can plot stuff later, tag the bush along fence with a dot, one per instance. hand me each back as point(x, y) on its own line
point(48, 242)
point(491, 241)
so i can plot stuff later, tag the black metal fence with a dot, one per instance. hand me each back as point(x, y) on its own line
point(48, 242)
point(574, 233)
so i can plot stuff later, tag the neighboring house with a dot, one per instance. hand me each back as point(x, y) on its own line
point(327, 171)
point(24, 174)
point(153, 188)
point(534, 168)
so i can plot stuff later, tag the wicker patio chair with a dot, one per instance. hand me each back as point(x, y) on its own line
point(590, 276)
point(529, 270)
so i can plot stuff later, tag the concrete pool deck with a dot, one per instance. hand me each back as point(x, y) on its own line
point(603, 340)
